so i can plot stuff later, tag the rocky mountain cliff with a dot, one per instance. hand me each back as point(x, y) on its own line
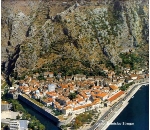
point(61, 35)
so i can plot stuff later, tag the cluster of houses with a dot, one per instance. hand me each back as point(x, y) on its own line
point(91, 92)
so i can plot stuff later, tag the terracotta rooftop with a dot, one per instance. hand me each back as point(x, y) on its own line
point(69, 102)
point(106, 88)
point(113, 87)
point(46, 73)
point(64, 86)
point(101, 94)
point(133, 75)
point(51, 93)
point(47, 100)
point(140, 77)
point(109, 74)
point(67, 107)
point(83, 106)
point(21, 81)
point(97, 91)
point(115, 96)
point(97, 100)
point(79, 99)
point(83, 95)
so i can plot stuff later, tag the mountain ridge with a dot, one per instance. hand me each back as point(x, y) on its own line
point(82, 35)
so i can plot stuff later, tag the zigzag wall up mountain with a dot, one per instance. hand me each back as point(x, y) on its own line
point(75, 35)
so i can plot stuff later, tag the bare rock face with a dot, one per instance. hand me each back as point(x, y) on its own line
point(75, 34)
point(16, 19)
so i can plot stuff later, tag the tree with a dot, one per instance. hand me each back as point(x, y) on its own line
point(109, 64)
point(24, 117)
point(6, 128)
point(72, 96)
point(28, 116)
point(30, 125)
point(41, 127)
point(18, 117)
point(117, 70)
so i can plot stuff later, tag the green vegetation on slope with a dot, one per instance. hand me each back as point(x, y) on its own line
point(130, 59)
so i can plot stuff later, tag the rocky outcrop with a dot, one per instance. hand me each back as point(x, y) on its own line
point(85, 31)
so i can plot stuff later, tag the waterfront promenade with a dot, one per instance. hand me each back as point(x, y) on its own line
point(115, 110)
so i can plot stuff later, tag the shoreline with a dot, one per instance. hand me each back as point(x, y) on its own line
point(126, 102)
point(128, 95)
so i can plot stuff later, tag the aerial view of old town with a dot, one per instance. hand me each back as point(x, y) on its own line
point(67, 97)
point(74, 65)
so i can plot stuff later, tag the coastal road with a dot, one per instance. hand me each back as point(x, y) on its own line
point(111, 112)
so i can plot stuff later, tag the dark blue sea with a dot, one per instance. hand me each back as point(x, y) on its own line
point(137, 112)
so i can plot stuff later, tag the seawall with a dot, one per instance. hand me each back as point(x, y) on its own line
point(125, 103)
point(115, 115)
point(135, 90)
point(39, 109)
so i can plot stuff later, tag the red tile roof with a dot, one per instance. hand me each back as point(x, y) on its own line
point(83, 106)
point(67, 107)
point(101, 94)
point(51, 93)
point(64, 86)
point(115, 96)
point(48, 100)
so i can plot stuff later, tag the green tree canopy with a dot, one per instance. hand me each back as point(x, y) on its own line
point(72, 96)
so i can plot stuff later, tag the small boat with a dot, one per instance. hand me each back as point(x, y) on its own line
point(132, 96)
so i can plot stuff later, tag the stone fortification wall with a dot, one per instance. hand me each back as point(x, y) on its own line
point(39, 109)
